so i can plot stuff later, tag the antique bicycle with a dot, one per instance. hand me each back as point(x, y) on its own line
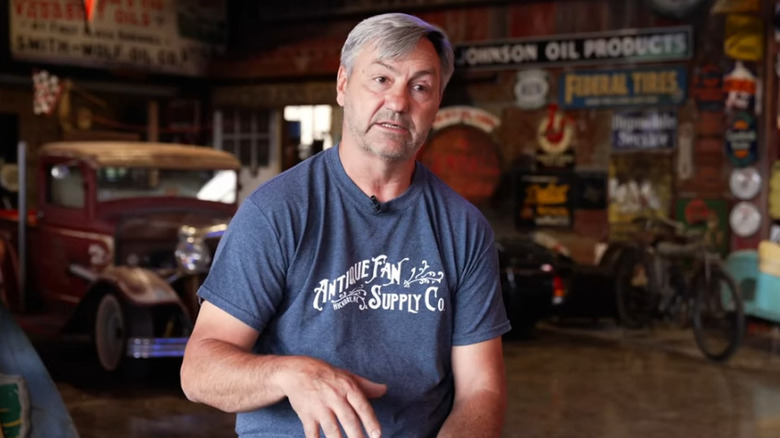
point(672, 274)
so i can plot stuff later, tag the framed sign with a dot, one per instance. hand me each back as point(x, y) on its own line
point(543, 200)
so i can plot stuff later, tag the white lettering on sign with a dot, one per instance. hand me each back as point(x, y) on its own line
point(455, 115)
point(176, 37)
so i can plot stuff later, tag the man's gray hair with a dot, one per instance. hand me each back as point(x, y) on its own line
point(395, 35)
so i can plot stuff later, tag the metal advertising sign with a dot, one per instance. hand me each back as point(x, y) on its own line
point(620, 88)
point(742, 139)
point(644, 130)
point(709, 216)
point(174, 37)
point(555, 134)
point(531, 88)
point(628, 45)
point(707, 88)
point(640, 184)
point(549, 199)
point(744, 37)
point(741, 87)
point(544, 200)
point(467, 115)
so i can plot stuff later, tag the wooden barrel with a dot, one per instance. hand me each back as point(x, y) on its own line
point(466, 158)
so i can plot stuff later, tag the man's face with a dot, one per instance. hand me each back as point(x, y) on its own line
point(390, 104)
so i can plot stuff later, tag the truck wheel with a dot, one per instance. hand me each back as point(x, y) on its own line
point(110, 332)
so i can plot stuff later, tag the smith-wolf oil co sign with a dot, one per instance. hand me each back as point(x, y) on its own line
point(629, 45)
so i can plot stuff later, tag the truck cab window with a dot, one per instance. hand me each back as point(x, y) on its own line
point(66, 186)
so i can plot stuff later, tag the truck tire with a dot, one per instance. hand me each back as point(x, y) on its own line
point(116, 322)
point(110, 332)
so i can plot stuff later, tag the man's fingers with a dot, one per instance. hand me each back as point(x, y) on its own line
point(348, 415)
point(311, 429)
point(370, 389)
point(365, 412)
point(331, 399)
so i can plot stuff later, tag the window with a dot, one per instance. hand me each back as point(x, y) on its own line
point(118, 183)
point(66, 186)
point(245, 133)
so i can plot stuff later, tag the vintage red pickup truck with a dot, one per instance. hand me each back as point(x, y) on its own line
point(120, 239)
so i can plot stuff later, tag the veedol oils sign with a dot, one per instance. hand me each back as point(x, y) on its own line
point(629, 45)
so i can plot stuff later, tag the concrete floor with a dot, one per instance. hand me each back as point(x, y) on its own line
point(576, 382)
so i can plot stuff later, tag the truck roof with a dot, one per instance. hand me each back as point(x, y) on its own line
point(142, 154)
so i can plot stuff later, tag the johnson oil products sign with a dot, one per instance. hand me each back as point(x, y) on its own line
point(629, 45)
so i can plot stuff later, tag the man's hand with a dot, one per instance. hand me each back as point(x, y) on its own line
point(324, 397)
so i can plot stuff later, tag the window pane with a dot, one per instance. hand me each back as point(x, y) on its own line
point(66, 186)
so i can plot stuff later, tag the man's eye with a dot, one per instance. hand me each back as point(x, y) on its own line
point(380, 79)
point(421, 88)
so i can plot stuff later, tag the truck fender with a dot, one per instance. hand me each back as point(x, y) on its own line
point(139, 286)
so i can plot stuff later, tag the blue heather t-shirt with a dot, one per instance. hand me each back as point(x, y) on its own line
point(385, 291)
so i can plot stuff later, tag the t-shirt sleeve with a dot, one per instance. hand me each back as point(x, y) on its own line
point(246, 278)
point(479, 305)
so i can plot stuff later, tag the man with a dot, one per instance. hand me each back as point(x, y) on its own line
point(356, 294)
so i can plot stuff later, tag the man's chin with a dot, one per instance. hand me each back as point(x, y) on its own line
point(392, 150)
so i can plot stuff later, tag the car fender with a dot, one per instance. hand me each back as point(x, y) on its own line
point(138, 285)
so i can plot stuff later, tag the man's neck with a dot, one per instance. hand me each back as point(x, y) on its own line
point(374, 175)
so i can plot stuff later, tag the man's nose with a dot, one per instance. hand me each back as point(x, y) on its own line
point(397, 99)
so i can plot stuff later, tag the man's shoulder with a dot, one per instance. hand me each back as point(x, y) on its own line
point(447, 196)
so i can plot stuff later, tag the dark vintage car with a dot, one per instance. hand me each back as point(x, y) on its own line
point(120, 239)
point(541, 281)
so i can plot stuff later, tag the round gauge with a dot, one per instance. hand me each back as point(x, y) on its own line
point(745, 182)
point(745, 219)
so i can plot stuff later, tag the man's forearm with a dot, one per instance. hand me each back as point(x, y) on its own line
point(227, 378)
point(479, 416)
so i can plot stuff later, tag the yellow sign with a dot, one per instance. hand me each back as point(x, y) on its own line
point(744, 38)
point(549, 195)
point(731, 6)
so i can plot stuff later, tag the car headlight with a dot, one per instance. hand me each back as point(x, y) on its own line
point(193, 255)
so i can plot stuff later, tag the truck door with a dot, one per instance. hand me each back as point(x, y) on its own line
point(63, 236)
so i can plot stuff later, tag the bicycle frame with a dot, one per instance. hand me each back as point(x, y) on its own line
point(678, 276)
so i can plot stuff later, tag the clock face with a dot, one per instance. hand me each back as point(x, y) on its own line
point(745, 219)
point(745, 182)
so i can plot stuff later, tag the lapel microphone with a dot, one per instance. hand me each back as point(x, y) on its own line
point(377, 206)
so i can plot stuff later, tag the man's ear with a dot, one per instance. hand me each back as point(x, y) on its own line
point(341, 83)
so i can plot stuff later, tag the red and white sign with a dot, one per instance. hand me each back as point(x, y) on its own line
point(162, 36)
point(466, 115)
point(47, 92)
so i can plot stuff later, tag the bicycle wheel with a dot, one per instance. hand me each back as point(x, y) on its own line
point(635, 288)
point(718, 313)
